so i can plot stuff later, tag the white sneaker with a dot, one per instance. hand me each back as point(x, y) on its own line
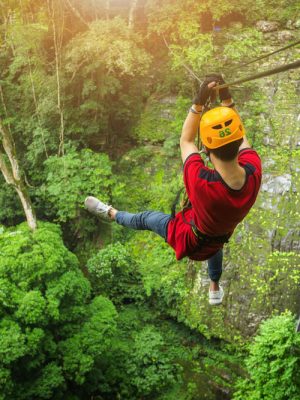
point(216, 297)
point(95, 206)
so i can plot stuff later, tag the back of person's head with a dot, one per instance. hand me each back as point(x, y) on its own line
point(227, 152)
point(222, 132)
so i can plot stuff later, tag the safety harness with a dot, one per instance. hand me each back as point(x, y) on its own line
point(202, 238)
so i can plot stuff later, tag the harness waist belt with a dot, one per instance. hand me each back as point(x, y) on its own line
point(203, 238)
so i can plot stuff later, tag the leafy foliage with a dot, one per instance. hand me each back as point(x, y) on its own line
point(67, 183)
point(115, 274)
point(152, 369)
point(119, 96)
point(97, 82)
point(51, 331)
point(273, 363)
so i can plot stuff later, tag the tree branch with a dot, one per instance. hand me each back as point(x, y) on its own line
point(76, 12)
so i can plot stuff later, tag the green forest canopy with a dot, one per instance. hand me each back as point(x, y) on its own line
point(92, 103)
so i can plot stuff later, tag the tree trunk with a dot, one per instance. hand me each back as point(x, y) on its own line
point(13, 177)
point(27, 206)
point(76, 12)
point(35, 101)
point(107, 8)
point(57, 48)
point(96, 9)
point(131, 13)
point(4, 106)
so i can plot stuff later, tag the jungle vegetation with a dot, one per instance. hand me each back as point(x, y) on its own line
point(93, 94)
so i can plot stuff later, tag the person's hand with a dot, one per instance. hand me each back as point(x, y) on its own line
point(205, 91)
point(224, 94)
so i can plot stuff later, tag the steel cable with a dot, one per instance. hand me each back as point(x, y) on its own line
point(263, 74)
point(265, 56)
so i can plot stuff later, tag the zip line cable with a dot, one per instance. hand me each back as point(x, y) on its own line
point(263, 74)
point(266, 55)
point(182, 63)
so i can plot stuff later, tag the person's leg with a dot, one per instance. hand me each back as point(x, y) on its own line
point(216, 292)
point(154, 221)
point(215, 269)
point(148, 220)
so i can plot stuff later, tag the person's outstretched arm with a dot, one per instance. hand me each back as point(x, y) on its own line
point(191, 124)
point(189, 132)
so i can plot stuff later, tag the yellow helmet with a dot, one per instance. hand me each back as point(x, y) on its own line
point(220, 126)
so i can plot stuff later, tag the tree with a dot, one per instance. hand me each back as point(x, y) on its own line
point(56, 16)
point(67, 183)
point(273, 364)
point(132, 12)
point(51, 331)
point(115, 274)
point(12, 174)
point(104, 67)
point(150, 368)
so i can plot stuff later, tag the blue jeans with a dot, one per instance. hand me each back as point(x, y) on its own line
point(215, 266)
point(157, 222)
point(154, 221)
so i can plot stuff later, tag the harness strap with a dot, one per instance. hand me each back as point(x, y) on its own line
point(210, 239)
point(202, 237)
point(176, 200)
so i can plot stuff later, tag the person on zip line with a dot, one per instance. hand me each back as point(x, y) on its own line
point(219, 198)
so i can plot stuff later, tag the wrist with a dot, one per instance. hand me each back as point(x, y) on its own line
point(197, 107)
point(193, 111)
point(227, 102)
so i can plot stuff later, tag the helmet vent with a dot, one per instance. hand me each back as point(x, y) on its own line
point(228, 122)
point(217, 126)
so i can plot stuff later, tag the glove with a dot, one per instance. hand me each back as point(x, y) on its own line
point(224, 94)
point(204, 92)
